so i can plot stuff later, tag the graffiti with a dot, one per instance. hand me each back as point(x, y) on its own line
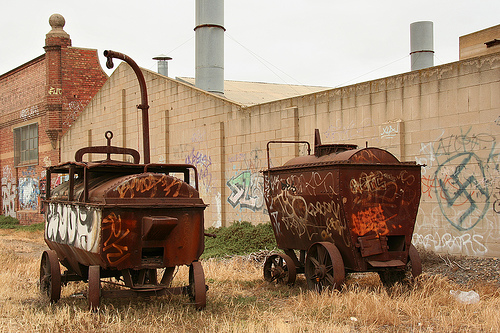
point(28, 113)
point(29, 190)
point(463, 189)
point(467, 165)
point(28, 193)
point(199, 136)
point(464, 142)
point(202, 163)
point(246, 191)
point(373, 182)
point(339, 133)
point(496, 202)
point(43, 189)
point(371, 219)
point(149, 186)
point(382, 187)
point(251, 160)
point(74, 110)
point(465, 244)
point(293, 210)
point(276, 224)
point(237, 157)
point(47, 161)
point(9, 192)
point(77, 226)
point(389, 131)
point(115, 251)
point(55, 91)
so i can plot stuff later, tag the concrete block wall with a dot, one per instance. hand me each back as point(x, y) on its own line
point(446, 118)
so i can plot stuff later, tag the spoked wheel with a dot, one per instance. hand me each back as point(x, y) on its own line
point(50, 276)
point(94, 292)
point(279, 268)
point(324, 267)
point(197, 288)
point(412, 270)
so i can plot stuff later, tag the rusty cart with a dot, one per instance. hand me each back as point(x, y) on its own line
point(123, 220)
point(342, 210)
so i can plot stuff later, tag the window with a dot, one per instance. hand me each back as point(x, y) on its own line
point(26, 144)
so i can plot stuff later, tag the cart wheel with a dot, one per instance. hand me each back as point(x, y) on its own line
point(324, 267)
point(50, 276)
point(94, 292)
point(197, 288)
point(413, 269)
point(279, 268)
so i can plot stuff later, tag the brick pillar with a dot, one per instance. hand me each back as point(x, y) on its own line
point(55, 43)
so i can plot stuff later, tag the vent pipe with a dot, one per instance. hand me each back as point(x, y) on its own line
point(421, 45)
point(209, 48)
point(162, 64)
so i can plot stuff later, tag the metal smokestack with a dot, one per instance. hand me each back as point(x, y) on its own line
point(209, 49)
point(421, 45)
point(162, 64)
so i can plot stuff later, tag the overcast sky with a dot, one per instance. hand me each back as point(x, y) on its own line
point(315, 42)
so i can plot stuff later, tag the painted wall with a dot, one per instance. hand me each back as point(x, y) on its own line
point(446, 117)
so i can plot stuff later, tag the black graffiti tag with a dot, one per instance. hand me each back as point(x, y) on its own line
point(462, 199)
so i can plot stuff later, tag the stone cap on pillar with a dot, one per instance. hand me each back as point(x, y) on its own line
point(57, 36)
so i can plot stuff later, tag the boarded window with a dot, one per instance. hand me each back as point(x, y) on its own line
point(26, 145)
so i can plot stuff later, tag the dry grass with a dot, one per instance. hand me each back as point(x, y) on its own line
point(240, 301)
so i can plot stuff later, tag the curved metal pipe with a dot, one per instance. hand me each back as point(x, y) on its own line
point(144, 96)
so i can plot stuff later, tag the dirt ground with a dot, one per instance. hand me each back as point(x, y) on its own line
point(460, 269)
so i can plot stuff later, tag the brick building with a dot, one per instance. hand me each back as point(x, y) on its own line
point(39, 101)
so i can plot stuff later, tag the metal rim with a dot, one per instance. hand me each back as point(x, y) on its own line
point(50, 276)
point(324, 267)
point(280, 268)
point(197, 288)
point(94, 292)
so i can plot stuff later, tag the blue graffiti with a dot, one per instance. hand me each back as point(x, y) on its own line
point(202, 163)
point(247, 191)
point(462, 178)
point(29, 193)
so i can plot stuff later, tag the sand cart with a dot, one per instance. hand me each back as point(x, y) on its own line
point(341, 210)
point(132, 223)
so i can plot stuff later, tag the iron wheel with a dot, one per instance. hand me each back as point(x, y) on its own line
point(324, 267)
point(197, 288)
point(50, 276)
point(280, 268)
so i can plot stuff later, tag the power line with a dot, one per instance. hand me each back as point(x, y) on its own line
point(343, 84)
point(264, 61)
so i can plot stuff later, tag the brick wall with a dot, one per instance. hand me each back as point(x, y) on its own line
point(51, 90)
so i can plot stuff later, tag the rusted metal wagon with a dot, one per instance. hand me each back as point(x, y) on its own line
point(123, 220)
point(339, 211)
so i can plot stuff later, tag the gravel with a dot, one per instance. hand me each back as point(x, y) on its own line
point(462, 270)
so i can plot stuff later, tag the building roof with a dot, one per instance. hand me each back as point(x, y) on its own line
point(252, 93)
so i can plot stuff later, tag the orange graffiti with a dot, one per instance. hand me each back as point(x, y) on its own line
point(429, 184)
point(150, 184)
point(372, 219)
point(117, 252)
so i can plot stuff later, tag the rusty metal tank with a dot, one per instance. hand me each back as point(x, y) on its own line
point(124, 220)
point(343, 209)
